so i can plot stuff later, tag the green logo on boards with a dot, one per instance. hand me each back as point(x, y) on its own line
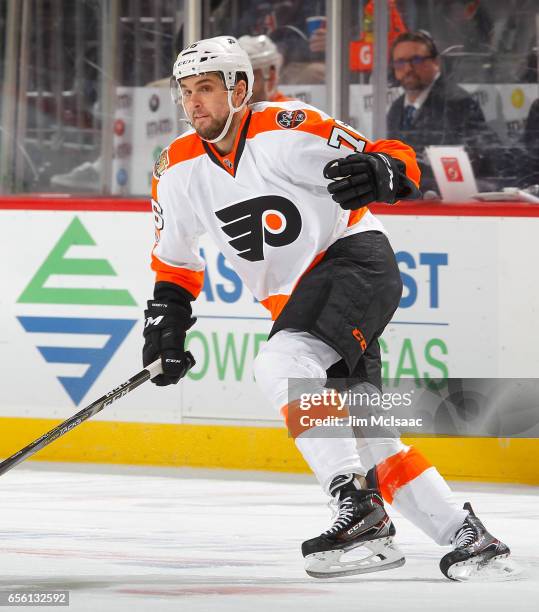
point(58, 264)
point(60, 269)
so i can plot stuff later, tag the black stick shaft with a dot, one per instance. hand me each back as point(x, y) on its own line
point(76, 420)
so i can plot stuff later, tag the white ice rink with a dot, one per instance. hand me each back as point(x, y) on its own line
point(143, 539)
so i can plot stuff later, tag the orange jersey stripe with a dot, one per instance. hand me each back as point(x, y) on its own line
point(356, 215)
point(191, 280)
point(184, 148)
point(398, 470)
point(275, 304)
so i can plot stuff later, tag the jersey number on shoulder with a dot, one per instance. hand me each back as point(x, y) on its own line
point(339, 135)
point(158, 220)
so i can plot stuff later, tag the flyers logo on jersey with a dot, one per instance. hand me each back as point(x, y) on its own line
point(271, 220)
point(290, 119)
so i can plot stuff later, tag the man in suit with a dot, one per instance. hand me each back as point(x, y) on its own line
point(432, 109)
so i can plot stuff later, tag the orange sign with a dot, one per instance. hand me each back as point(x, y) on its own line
point(361, 56)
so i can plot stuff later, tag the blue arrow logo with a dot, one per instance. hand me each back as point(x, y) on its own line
point(96, 359)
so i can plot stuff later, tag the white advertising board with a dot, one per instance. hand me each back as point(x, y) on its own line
point(71, 310)
point(146, 121)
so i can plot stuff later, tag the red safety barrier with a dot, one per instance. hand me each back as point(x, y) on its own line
point(419, 208)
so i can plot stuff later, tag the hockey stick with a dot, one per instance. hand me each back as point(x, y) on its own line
point(126, 387)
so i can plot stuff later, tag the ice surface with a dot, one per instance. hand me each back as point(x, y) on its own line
point(143, 539)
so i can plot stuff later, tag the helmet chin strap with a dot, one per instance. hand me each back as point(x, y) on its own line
point(232, 110)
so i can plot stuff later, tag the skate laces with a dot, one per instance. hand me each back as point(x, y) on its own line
point(344, 511)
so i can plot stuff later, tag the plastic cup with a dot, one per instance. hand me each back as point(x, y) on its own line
point(315, 23)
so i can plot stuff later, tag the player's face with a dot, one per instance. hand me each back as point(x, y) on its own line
point(414, 68)
point(206, 104)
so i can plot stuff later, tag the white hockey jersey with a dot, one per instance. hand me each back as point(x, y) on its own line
point(265, 204)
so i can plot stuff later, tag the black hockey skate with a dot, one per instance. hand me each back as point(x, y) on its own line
point(477, 555)
point(361, 523)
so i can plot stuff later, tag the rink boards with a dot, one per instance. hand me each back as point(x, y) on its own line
point(76, 277)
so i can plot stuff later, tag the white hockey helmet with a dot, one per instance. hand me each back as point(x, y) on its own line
point(262, 52)
point(221, 54)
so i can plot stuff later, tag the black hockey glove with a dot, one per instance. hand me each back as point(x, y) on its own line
point(362, 178)
point(165, 325)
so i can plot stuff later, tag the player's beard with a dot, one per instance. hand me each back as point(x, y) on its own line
point(211, 131)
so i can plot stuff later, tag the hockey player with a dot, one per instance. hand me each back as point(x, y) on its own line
point(266, 62)
point(257, 180)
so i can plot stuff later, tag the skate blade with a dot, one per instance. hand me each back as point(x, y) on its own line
point(384, 555)
point(495, 569)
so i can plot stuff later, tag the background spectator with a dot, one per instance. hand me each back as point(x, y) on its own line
point(285, 22)
point(433, 110)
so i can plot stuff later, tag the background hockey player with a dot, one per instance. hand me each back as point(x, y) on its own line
point(266, 62)
point(257, 180)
